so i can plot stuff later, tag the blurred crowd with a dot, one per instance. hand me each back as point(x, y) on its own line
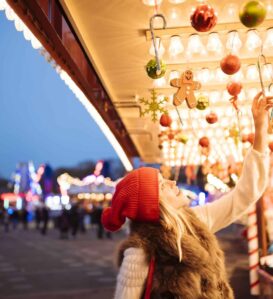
point(69, 222)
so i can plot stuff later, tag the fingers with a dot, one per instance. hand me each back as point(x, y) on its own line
point(269, 100)
point(269, 103)
point(268, 106)
point(265, 102)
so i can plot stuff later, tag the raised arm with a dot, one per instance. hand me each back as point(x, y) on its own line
point(253, 180)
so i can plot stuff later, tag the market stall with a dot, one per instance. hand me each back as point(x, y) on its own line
point(171, 82)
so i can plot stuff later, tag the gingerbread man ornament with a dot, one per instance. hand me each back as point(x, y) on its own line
point(186, 87)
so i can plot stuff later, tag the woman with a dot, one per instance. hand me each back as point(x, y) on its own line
point(171, 251)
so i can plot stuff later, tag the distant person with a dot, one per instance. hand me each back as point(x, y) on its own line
point(25, 214)
point(82, 214)
point(64, 224)
point(38, 217)
point(96, 219)
point(6, 220)
point(45, 219)
point(15, 218)
point(74, 219)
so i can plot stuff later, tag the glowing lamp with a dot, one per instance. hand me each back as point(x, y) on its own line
point(176, 47)
point(234, 42)
point(253, 40)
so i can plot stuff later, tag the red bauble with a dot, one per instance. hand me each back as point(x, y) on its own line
point(244, 138)
point(170, 136)
point(212, 118)
point(250, 138)
point(203, 18)
point(234, 88)
point(204, 141)
point(230, 64)
point(270, 145)
point(165, 120)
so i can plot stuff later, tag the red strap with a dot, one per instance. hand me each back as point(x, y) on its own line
point(150, 279)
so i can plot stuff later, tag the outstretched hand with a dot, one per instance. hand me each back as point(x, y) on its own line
point(260, 106)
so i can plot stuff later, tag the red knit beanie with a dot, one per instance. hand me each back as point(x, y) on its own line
point(136, 197)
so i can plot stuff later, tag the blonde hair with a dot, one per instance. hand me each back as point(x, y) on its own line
point(176, 221)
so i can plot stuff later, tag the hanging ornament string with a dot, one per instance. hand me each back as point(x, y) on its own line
point(190, 121)
point(239, 114)
point(156, 7)
point(233, 101)
point(156, 12)
point(262, 60)
point(232, 43)
point(158, 67)
point(179, 116)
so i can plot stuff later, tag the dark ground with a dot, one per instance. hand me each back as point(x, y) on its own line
point(33, 266)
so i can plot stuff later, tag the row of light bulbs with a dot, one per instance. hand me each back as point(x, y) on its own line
point(158, 2)
point(212, 76)
point(214, 44)
point(190, 154)
point(228, 12)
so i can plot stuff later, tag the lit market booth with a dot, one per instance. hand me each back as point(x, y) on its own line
point(91, 189)
point(131, 63)
point(88, 190)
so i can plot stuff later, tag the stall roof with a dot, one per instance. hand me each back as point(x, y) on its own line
point(116, 37)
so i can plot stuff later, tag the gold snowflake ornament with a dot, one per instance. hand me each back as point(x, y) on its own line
point(154, 106)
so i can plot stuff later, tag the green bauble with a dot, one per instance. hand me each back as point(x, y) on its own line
point(151, 69)
point(252, 13)
point(202, 102)
point(182, 138)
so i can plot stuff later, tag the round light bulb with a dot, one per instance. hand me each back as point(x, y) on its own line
point(238, 77)
point(253, 40)
point(231, 9)
point(195, 44)
point(252, 72)
point(3, 4)
point(174, 75)
point(267, 71)
point(214, 43)
point(220, 76)
point(177, 1)
point(234, 42)
point(203, 75)
point(268, 43)
point(176, 47)
point(152, 2)
point(10, 14)
point(159, 82)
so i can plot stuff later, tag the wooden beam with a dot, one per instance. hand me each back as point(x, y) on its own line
point(210, 87)
point(221, 27)
point(211, 64)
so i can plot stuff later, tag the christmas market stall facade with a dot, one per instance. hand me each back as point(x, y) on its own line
point(169, 83)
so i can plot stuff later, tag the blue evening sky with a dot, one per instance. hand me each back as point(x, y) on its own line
point(40, 119)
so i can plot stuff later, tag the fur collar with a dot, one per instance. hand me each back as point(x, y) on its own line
point(200, 275)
